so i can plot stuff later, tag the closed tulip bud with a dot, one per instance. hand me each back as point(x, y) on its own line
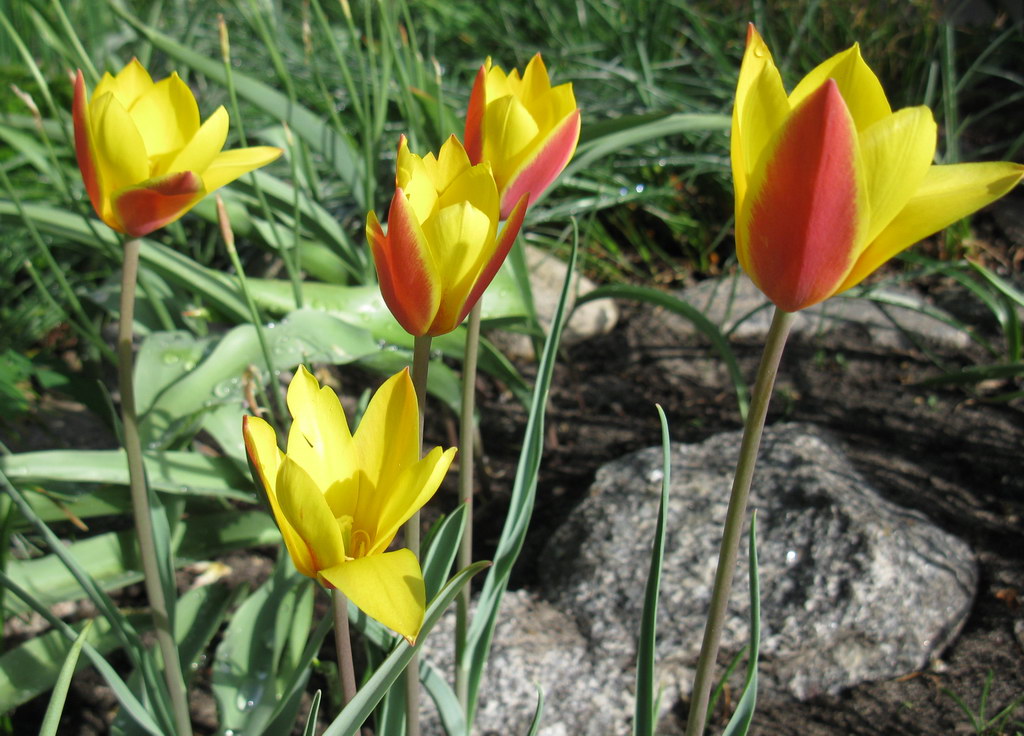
point(831, 183)
point(525, 128)
point(144, 157)
point(442, 246)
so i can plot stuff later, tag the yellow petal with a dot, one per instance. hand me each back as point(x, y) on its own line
point(947, 194)
point(536, 82)
point(462, 241)
point(130, 84)
point(319, 438)
point(760, 110)
point(858, 85)
point(265, 459)
point(303, 506)
point(388, 588)
point(417, 181)
point(167, 117)
point(387, 442)
point(229, 165)
point(452, 162)
point(897, 152)
point(202, 149)
point(410, 492)
point(120, 152)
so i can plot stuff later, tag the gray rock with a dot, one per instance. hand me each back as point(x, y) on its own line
point(538, 645)
point(736, 305)
point(547, 274)
point(854, 588)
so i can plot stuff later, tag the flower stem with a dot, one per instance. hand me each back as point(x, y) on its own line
point(343, 647)
point(467, 435)
point(140, 494)
point(752, 429)
point(420, 366)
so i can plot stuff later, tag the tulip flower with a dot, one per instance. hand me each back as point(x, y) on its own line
point(442, 248)
point(144, 157)
point(524, 127)
point(831, 183)
point(339, 498)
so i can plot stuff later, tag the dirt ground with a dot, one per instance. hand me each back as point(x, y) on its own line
point(955, 458)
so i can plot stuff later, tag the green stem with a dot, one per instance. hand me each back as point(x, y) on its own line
point(467, 435)
point(420, 366)
point(140, 493)
point(343, 646)
point(734, 518)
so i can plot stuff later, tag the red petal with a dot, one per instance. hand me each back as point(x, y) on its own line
point(474, 141)
point(804, 222)
point(83, 151)
point(402, 270)
point(157, 202)
point(505, 241)
point(546, 164)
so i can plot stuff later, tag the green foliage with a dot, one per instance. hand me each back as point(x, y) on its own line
point(980, 720)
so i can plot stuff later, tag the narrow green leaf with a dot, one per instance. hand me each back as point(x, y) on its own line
point(537, 713)
point(51, 720)
point(314, 711)
point(645, 717)
point(741, 719)
point(441, 548)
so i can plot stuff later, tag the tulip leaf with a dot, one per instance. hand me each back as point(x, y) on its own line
point(683, 309)
point(187, 473)
point(645, 717)
point(359, 709)
point(741, 719)
point(537, 713)
point(517, 521)
point(314, 711)
point(248, 659)
point(339, 151)
point(442, 545)
point(111, 559)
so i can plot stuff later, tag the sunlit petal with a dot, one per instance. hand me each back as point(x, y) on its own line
point(304, 508)
point(858, 85)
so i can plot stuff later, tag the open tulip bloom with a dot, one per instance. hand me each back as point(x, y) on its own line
point(144, 157)
point(442, 248)
point(831, 183)
point(524, 127)
point(340, 498)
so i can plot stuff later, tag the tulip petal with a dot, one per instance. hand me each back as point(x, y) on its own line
point(897, 152)
point(167, 117)
point(408, 494)
point(510, 131)
point(463, 240)
point(120, 153)
point(319, 438)
point(761, 108)
point(947, 194)
point(229, 165)
point(386, 442)
point(473, 133)
point(405, 269)
point(538, 172)
point(130, 84)
point(84, 144)
point(858, 85)
point(303, 506)
point(387, 587)
point(155, 203)
point(451, 163)
point(805, 213)
point(503, 246)
point(202, 149)
point(265, 460)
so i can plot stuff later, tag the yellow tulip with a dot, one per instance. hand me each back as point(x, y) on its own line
point(442, 247)
point(831, 183)
point(525, 128)
point(144, 157)
point(340, 498)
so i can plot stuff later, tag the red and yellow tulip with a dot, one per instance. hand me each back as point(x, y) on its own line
point(442, 247)
point(524, 127)
point(144, 157)
point(831, 183)
point(340, 498)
